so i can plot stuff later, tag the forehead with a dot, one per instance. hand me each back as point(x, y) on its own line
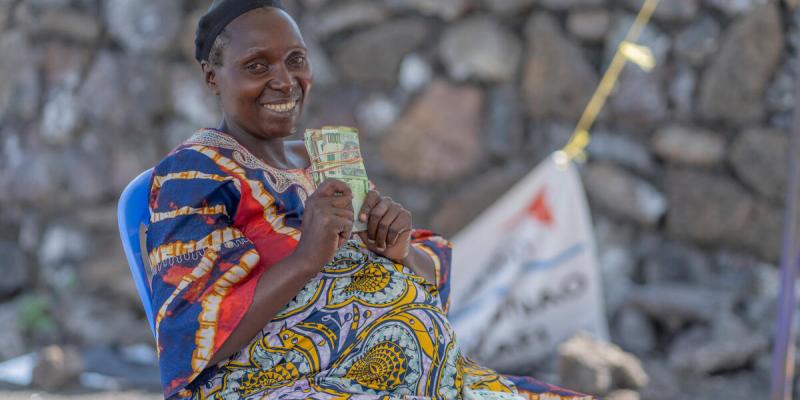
point(265, 28)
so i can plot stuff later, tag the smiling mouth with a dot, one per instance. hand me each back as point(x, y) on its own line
point(282, 108)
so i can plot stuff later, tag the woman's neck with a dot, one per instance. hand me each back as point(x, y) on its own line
point(271, 151)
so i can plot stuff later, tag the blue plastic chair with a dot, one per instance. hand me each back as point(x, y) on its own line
point(133, 214)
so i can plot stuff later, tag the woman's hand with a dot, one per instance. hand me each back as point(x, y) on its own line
point(327, 223)
point(388, 227)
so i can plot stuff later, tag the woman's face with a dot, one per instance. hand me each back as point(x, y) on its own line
point(265, 74)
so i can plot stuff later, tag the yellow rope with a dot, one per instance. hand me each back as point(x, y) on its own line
point(626, 51)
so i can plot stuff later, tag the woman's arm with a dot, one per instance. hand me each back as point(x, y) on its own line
point(276, 287)
point(327, 222)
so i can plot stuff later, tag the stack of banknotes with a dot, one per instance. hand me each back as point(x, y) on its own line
point(335, 152)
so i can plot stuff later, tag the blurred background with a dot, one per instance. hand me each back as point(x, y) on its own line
point(686, 173)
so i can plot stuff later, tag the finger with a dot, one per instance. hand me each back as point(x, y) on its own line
point(400, 226)
point(372, 199)
point(345, 202)
point(375, 215)
point(381, 238)
point(340, 212)
point(333, 186)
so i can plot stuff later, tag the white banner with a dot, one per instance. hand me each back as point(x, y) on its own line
point(525, 274)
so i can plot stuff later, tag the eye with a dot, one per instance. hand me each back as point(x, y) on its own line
point(256, 68)
point(297, 60)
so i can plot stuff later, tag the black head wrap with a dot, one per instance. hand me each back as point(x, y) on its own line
point(219, 15)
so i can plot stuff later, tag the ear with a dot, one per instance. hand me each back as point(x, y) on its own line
point(210, 76)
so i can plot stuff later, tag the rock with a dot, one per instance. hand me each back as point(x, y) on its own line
point(365, 59)
point(18, 81)
point(589, 25)
point(66, 23)
point(634, 332)
point(440, 133)
point(760, 158)
point(765, 232)
point(57, 368)
point(734, 7)
point(707, 208)
point(675, 304)
point(417, 199)
point(60, 117)
point(670, 11)
point(780, 95)
point(508, 6)
point(100, 275)
point(376, 115)
point(681, 93)
point(623, 194)
point(100, 322)
point(734, 85)
point(558, 80)
point(664, 383)
point(325, 73)
point(591, 366)
point(719, 355)
point(504, 124)
point(480, 48)
point(191, 99)
point(415, 72)
point(63, 65)
point(148, 25)
point(623, 394)
point(462, 207)
point(622, 150)
point(639, 102)
point(673, 262)
point(63, 244)
point(689, 145)
point(131, 103)
point(544, 138)
point(560, 5)
point(11, 334)
point(345, 16)
point(445, 9)
point(616, 262)
point(15, 271)
point(698, 41)
point(188, 33)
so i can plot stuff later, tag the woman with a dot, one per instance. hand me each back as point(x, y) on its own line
point(248, 307)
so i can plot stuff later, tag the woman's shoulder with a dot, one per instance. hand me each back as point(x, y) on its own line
point(200, 153)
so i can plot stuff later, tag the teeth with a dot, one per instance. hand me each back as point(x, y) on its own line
point(281, 108)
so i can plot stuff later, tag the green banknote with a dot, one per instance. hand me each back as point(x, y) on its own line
point(335, 152)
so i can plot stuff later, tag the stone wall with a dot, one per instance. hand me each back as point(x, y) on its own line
point(456, 100)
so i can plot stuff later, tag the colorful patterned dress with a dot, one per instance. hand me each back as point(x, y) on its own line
point(363, 328)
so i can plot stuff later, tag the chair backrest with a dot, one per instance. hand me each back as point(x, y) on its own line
point(133, 215)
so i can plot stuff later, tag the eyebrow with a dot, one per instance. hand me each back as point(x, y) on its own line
point(254, 51)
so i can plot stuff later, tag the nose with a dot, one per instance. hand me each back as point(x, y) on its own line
point(281, 80)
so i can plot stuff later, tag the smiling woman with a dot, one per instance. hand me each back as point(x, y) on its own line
point(260, 290)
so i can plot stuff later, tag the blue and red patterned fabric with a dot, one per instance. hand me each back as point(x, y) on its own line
point(220, 217)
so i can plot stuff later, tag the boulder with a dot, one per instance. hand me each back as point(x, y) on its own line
point(144, 25)
point(558, 80)
point(595, 367)
point(760, 158)
point(366, 59)
point(438, 139)
point(689, 145)
point(480, 48)
point(733, 86)
point(621, 193)
point(589, 25)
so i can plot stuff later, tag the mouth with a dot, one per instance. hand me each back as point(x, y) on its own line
point(282, 108)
